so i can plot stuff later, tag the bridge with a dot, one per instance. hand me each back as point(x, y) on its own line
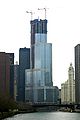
point(37, 105)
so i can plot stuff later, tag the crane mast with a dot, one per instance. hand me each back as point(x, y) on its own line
point(30, 13)
point(45, 9)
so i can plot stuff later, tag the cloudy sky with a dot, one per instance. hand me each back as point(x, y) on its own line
point(63, 29)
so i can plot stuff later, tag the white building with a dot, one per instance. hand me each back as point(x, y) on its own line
point(68, 88)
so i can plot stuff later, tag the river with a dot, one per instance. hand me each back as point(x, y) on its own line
point(46, 116)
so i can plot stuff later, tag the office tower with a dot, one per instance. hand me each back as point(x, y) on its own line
point(5, 74)
point(77, 73)
point(16, 79)
point(38, 79)
point(24, 63)
point(68, 88)
point(11, 57)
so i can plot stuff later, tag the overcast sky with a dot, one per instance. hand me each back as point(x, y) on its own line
point(63, 30)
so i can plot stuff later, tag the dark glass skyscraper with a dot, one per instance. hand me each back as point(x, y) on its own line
point(24, 63)
point(11, 57)
point(77, 74)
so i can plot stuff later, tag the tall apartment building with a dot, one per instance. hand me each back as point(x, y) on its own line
point(68, 88)
point(24, 63)
point(38, 79)
point(77, 73)
point(6, 74)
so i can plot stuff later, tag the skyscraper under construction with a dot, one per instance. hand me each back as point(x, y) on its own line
point(38, 79)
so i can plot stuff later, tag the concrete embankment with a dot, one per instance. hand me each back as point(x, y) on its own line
point(12, 113)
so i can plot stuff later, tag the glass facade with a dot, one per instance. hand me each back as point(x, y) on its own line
point(38, 79)
point(24, 63)
point(38, 26)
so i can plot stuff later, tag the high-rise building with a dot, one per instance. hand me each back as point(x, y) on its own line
point(5, 74)
point(16, 79)
point(38, 33)
point(11, 57)
point(38, 79)
point(77, 73)
point(71, 85)
point(24, 63)
point(68, 88)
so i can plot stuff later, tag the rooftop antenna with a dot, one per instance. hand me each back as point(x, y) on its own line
point(43, 9)
point(30, 13)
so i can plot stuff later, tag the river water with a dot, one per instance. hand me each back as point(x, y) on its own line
point(46, 116)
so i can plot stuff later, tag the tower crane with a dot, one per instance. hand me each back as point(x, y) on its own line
point(43, 9)
point(30, 13)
